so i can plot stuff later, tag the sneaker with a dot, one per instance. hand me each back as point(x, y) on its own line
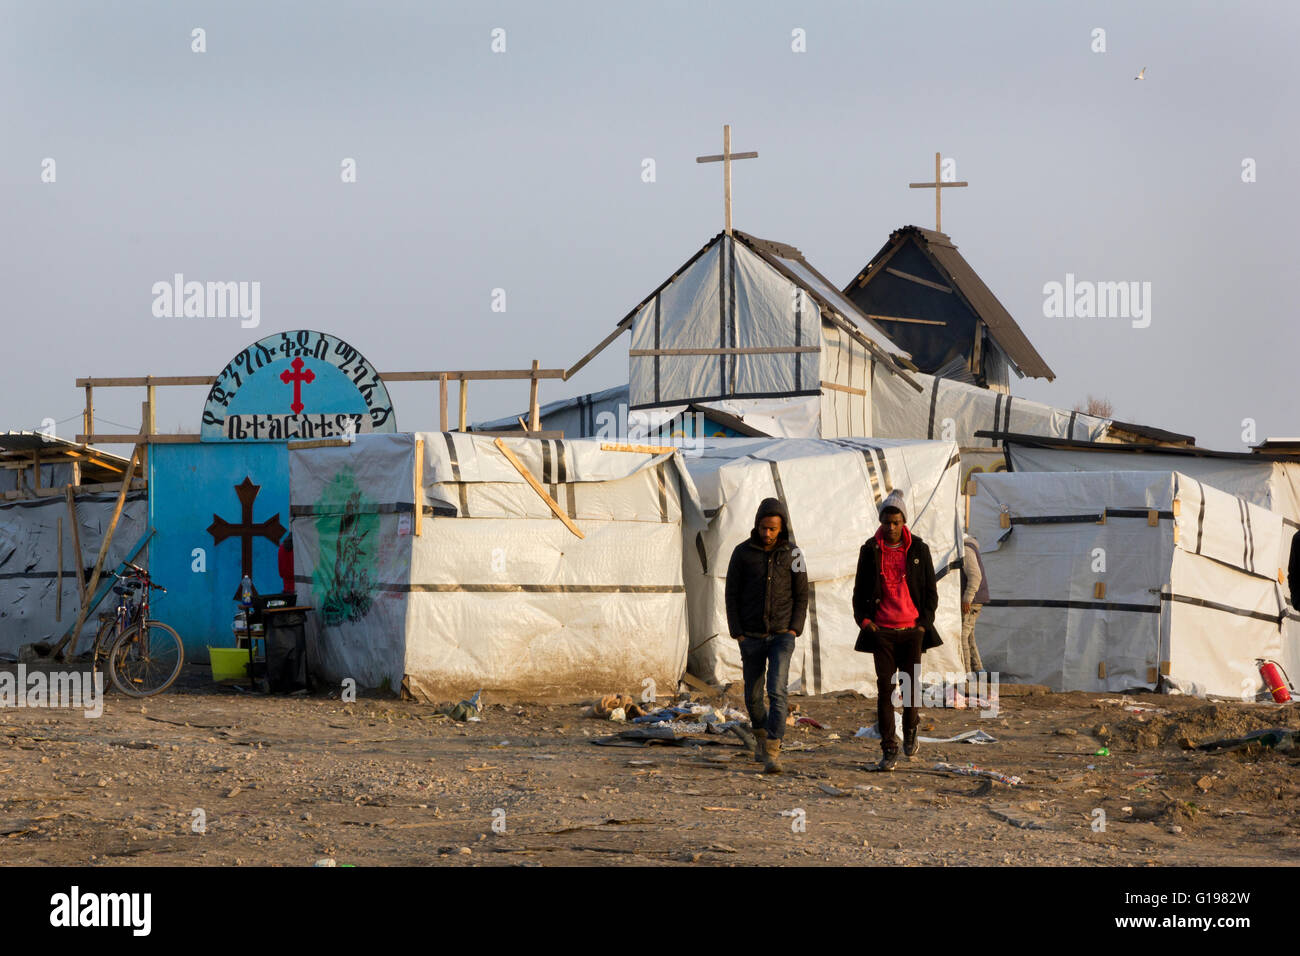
point(888, 762)
point(910, 744)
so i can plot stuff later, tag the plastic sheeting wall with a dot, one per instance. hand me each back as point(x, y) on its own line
point(1270, 484)
point(954, 411)
point(29, 550)
point(832, 490)
point(496, 592)
point(1194, 598)
point(727, 298)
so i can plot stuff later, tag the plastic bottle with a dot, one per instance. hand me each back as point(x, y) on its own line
point(246, 591)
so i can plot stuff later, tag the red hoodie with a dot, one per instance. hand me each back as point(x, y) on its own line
point(896, 608)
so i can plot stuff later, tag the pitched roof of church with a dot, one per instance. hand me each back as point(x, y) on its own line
point(950, 263)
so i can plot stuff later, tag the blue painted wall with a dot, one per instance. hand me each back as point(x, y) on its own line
point(188, 484)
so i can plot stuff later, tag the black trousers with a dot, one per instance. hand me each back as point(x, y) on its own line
point(897, 649)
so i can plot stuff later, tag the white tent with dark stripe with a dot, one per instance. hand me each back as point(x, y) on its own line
point(436, 565)
point(832, 490)
point(1109, 581)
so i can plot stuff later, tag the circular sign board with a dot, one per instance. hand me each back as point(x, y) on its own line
point(297, 385)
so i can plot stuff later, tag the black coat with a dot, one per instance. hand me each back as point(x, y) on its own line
point(1293, 571)
point(920, 585)
point(767, 591)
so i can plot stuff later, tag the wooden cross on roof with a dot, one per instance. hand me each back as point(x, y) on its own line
point(725, 158)
point(938, 186)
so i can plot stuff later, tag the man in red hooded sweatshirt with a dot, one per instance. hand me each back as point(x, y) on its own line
point(894, 600)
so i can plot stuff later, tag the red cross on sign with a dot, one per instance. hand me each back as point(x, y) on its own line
point(297, 376)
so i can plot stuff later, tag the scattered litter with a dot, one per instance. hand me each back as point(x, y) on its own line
point(810, 722)
point(724, 809)
point(970, 770)
point(832, 790)
point(615, 707)
point(1136, 709)
point(325, 862)
point(1277, 738)
point(867, 786)
point(1023, 823)
point(467, 710)
point(1103, 752)
point(965, 737)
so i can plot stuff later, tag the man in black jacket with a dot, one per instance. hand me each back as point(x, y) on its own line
point(1293, 571)
point(894, 600)
point(767, 596)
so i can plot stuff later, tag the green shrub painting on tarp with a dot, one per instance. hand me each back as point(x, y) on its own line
point(348, 531)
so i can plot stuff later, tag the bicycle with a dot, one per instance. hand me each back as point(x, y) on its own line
point(144, 656)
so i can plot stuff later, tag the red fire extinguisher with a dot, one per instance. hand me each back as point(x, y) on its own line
point(1274, 680)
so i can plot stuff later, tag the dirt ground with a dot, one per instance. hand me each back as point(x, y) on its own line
point(210, 775)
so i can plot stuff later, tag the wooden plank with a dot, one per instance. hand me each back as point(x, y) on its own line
point(844, 388)
point(755, 350)
point(36, 468)
point(88, 416)
point(183, 439)
point(419, 486)
point(534, 414)
point(640, 449)
point(464, 404)
point(917, 279)
point(484, 375)
point(80, 564)
point(618, 330)
point(524, 434)
point(161, 380)
point(150, 420)
point(898, 318)
point(718, 157)
point(103, 591)
point(58, 577)
point(442, 403)
point(528, 477)
point(318, 443)
point(103, 552)
point(146, 380)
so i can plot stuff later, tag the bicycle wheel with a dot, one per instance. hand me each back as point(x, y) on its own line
point(144, 664)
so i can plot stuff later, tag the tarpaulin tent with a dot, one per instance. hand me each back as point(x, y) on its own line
point(955, 411)
point(1115, 580)
point(29, 572)
point(485, 586)
point(832, 490)
point(1268, 482)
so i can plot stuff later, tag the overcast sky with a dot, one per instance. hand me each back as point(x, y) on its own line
point(522, 170)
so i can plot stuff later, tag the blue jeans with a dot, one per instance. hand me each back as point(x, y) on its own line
point(771, 654)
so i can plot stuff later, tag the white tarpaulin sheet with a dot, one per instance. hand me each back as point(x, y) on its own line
point(954, 411)
point(1273, 485)
point(1192, 598)
point(29, 550)
point(495, 591)
point(832, 490)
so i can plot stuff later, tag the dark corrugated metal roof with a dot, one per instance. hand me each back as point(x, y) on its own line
point(1002, 327)
point(1075, 444)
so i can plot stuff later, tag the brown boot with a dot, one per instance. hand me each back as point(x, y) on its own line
point(760, 746)
point(773, 753)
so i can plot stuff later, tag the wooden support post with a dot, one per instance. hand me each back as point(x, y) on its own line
point(150, 419)
point(36, 468)
point(419, 486)
point(464, 402)
point(71, 636)
point(534, 414)
point(88, 416)
point(442, 402)
point(58, 577)
point(528, 477)
point(79, 566)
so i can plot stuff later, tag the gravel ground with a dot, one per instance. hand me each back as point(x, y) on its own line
point(212, 776)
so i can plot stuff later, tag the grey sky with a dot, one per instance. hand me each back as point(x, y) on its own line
point(522, 171)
